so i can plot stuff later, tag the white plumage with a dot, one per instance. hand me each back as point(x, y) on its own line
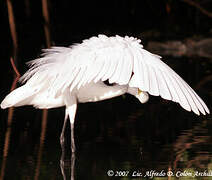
point(64, 76)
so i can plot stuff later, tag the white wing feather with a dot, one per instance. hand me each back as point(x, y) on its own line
point(119, 60)
point(157, 78)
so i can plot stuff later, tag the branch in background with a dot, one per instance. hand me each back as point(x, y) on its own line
point(12, 28)
point(204, 81)
point(16, 73)
point(27, 8)
point(196, 5)
point(46, 22)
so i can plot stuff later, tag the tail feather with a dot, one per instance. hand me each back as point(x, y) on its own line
point(19, 97)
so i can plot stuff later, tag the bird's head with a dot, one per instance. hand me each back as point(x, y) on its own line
point(142, 96)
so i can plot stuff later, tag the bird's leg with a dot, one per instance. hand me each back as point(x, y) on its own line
point(72, 112)
point(62, 139)
point(72, 165)
point(73, 148)
point(71, 107)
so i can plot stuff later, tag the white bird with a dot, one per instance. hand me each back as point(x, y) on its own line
point(67, 76)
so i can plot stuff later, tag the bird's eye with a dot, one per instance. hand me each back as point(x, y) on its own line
point(108, 84)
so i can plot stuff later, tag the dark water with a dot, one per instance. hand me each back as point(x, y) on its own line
point(118, 137)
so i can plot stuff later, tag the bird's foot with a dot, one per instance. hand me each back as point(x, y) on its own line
point(62, 141)
point(73, 148)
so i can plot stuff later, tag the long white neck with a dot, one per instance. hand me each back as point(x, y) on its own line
point(93, 92)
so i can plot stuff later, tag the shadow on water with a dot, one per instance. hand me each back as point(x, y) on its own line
point(114, 138)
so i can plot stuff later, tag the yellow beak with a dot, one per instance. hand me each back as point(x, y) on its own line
point(139, 91)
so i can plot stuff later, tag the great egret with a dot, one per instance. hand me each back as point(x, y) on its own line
point(64, 76)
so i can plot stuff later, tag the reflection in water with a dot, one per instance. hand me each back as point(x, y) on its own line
point(67, 166)
point(136, 142)
point(191, 152)
point(5, 152)
point(42, 138)
point(192, 140)
point(9, 117)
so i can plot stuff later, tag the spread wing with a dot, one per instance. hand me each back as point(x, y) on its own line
point(98, 58)
point(158, 79)
point(120, 60)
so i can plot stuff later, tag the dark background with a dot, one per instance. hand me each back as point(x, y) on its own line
point(74, 20)
point(114, 133)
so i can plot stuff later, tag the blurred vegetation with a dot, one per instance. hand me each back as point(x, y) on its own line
point(72, 21)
